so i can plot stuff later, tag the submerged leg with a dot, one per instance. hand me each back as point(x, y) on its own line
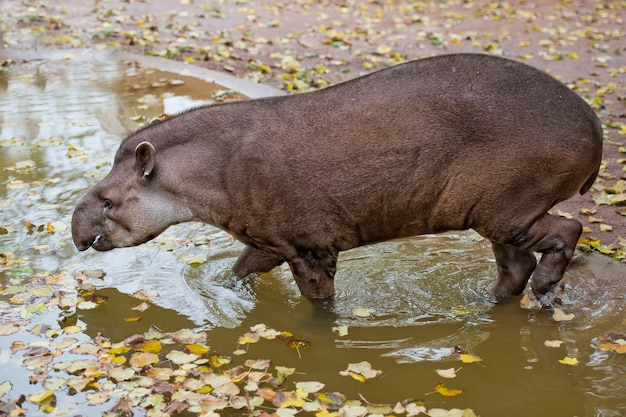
point(514, 269)
point(555, 238)
point(314, 273)
point(255, 260)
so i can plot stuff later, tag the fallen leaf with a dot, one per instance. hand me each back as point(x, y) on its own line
point(553, 343)
point(5, 388)
point(141, 307)
point(98, 397)
point(187, 336)
point(180, 358)
point(193, 259)
point(288, 399)
point(198, 348)
point(331, 400)
point(446, 373)
point(447, 392)
point(559, 315)
point(569, 361)
point(40, 397)
point(143, 359)
point(360, 371)
point(310, 386)
point(467, 358)
point(363, 312)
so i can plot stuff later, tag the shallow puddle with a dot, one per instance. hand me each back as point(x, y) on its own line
point(60, 124)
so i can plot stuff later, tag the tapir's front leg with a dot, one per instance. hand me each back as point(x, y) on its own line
point(255, 260)
point(314, 273)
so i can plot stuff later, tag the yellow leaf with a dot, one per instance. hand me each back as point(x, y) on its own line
point(447, 392)
point(40, 397)
point(248, 338)
point(219, 360)
point(150, 346)
point(287, 399)
point(132, 319)
point(467, 358)
point(196, 259)
point(120, 360)
point(72, 329)
point(119, 349)
point(198, 348)
point(568, 361)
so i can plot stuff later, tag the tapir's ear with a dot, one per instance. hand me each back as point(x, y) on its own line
point(145, 156)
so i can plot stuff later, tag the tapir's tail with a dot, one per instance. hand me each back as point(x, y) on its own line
point(597, 138)
point(587, 185)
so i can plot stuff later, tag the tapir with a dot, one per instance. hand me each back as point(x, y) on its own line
point(444, 143)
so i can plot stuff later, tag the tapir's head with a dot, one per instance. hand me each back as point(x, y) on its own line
point(130, 206)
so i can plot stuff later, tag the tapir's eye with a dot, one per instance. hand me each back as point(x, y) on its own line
point(108, 204)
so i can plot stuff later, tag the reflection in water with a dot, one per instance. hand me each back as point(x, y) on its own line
point(430, 294)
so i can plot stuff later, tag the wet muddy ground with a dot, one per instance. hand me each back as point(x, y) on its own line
point(61, 122)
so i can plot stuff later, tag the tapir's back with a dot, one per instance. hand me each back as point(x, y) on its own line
point(435, 144)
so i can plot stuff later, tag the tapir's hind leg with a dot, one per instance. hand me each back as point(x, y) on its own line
point(255, 260)
point(514, 269)
point(314, 273)
point(555, 238)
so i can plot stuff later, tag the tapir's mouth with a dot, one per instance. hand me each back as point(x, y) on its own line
point(99, 243)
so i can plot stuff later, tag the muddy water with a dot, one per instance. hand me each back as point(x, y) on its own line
point(60, 124)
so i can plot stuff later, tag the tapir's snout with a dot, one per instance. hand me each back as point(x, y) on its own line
point(87, 226)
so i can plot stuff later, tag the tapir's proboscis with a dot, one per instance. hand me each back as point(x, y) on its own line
point(444, 143)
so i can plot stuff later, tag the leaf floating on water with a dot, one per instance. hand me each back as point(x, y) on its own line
point(180, 358)
point(5, 388)
point(187, 336)
point(361, 371)
point(9, 328)
point(467, 358)
point(332, 400)
point(298, 344)
point(446, 373)
point(447, 392)
point(152, 345)
point(553, 343)
point(569, 361)
point(198, 348)
point(363, 312)
point(613, 342)
point(310, 386)
point(141, 307)
point(248, 338)
point(560, 315)
point(193, 259)
point(143, 359)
